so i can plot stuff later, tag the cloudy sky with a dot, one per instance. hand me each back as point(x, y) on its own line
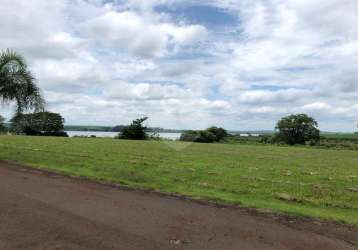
point(240, 64)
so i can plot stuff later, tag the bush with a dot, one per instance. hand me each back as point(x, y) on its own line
point(206, 137)
point(265, 139)
point(190, 135)
point(55, 133)
point(135, 131)
point(210, 135)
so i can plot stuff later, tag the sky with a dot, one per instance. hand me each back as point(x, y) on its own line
point(239, 64)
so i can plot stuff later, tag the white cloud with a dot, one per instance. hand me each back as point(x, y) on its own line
point(280, 96)
point(140, 35)
point(146, 91)
point(78, 74)
point(102, 62)
point(316, 106)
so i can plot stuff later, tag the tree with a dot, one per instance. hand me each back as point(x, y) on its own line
point(2, 125)
point(40, 123)
point(219, 133)
point(18, 84)
point(135, 131)
point(298, 129)
point(206, 136)
point(212, 134)
point(189, 135)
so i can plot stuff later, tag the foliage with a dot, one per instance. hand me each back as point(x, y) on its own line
point(117, 128)
point(2, 125)
point(219, 133)
point(198, 136)
point(205, 137)
point(210, 135)
point(135, 131)
point(190, 136)
point(155, 136)
point(40, 123)
point(266, 139)
point(297, 129)
point(250, 175)
point(18, 84)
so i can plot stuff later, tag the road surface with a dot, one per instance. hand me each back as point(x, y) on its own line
point(40, 210)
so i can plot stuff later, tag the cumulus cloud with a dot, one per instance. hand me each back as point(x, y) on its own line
point(279, 96)
point(140, 35)
point(70, 74)
point(95, 58)
point(146, 91)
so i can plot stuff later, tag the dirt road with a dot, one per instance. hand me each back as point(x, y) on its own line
point(46, 211)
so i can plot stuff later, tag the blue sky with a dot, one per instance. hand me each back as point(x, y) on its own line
point(240, 64)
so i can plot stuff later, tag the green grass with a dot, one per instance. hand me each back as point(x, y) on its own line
point(343, 136)
point(318, 180)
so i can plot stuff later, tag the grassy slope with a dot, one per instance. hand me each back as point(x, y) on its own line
point(250, 175)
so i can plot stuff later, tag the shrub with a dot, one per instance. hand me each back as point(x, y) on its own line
point(190, 135)
point(135, 131)
point(210, 135)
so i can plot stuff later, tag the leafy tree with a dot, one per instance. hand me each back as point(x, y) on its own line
point(18, 84)
point(219, 133)
point(135, 131)
point(40, 123)
point(298, 129)
point(2, 125)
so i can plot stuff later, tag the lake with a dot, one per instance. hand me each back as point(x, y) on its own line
point(171, 136)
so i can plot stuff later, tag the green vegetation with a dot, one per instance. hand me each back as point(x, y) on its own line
point(297, 129)
point(135, 131)
point(89, 128)
point(2, 124)
point(339, 141)
point(17, 83)
point(298, 180)
point(117, 128)
point(210, 135)
point(40, 123)
point(340, 136)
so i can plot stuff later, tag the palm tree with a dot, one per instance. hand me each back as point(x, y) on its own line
point(18, 84)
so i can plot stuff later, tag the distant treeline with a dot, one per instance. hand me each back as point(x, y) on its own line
point(91, 128)
point(118, 128)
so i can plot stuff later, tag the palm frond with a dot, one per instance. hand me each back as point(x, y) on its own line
point(18, 84)
point(9, 56)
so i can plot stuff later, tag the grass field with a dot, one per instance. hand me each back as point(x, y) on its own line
point(302, 181)
point(343, 136)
